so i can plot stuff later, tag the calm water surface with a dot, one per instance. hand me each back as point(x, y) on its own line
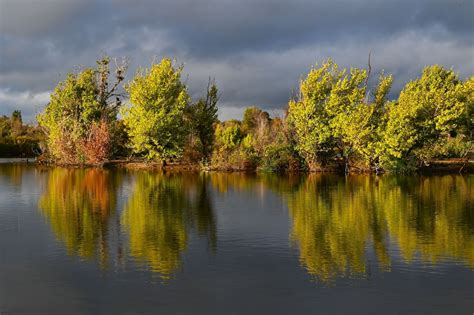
point(136, 242)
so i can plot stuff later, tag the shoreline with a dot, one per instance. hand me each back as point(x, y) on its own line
point(26, 160)
point(447, 166)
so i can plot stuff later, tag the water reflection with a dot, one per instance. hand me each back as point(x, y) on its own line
point(335, 221)
point(337, 224)
point(223, 182)
point(78, 205)
point(13, 173)
point(203, 213)
point(160, 213)
point(433, 216)
point(258, 183)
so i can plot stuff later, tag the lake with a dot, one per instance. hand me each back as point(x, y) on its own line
point(114, 241)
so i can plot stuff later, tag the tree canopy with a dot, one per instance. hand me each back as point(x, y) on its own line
point(155, 119)
point(78, 118)
point(340, 119)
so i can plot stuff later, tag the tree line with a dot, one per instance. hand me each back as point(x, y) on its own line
point(337, 120)
point(18, 139)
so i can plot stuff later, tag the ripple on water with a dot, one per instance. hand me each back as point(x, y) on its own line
point(9, 223)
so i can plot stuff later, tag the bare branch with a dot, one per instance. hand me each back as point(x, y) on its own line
point(369, 70)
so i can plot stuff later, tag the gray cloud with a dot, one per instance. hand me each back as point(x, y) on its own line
point(38, 17)
point(256, 50)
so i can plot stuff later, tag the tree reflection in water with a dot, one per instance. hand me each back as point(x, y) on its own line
point(160, 213)
point(78, 205)
point(335, 220)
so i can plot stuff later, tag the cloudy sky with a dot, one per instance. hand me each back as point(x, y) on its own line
point(256, 50)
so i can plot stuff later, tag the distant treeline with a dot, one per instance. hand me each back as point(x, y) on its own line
point(18, 139)
point(337, 120)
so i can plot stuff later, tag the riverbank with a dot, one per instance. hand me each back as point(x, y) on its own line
point(450, 166)
point(17, 160)
point(453, 165)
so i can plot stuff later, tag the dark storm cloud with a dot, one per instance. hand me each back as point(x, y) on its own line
point(257, 50)
point(214, 27)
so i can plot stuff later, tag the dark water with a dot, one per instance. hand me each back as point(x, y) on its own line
point(137, 242)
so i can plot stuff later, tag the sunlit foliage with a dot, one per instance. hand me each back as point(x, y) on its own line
point(155, 119)
point(340, 119)
point(79, 117)
point(18, 139)
point(227, 153)
point(427, 116)
point(334, 116)
point(307, 114)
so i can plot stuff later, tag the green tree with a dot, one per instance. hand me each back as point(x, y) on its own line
point(308, 116)
point(16, 124)
point(18, 139)
point(253, 117)
point(355, 119)
point(5, 127)
point(67, 117)
point(80, 106)
point(231, 147)
point(333, 115)
point(155, 120)
point(347, 111)
point(257, 125)
point(229, 135)
point(467, 121)
point(16, 115)
point(203, 117)
point(429, 111)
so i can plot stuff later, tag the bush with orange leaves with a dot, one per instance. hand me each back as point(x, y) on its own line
point(93, 148)
point(96, 146)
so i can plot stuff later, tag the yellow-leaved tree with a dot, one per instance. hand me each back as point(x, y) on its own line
point(155, 119)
